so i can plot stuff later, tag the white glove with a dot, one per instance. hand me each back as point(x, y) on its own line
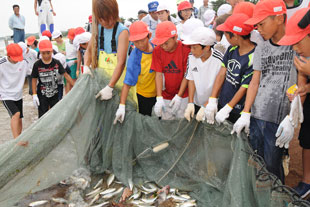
point(189, 111)
point(285, 133)
point(87, 70)
point(201, 115)
point(223, 114)
point(35, 100)
point(105, 93)
point(296, 112)
point(175, 103)
point(159, 106)
point(211, 110)
point(242, 122)
point(120, 114)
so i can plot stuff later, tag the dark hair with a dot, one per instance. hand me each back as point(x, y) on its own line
point(220, 20)
point(179, 14)
point(245, 37)
point(106, 10)
point(36, 43)
point(142, 12)
point(284, 18)
point(15, 5)
point(230, 34)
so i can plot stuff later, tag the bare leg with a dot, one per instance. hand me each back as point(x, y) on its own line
point(16, 125)
point(306, 165)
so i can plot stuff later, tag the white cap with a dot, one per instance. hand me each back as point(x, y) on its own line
point(201, 35)
point(81, 38)
point(209, 16)
point(127, 23)
point(189, 26)
point(162, 7)
point(56, 34)
point(223, 9)
point(23, 46)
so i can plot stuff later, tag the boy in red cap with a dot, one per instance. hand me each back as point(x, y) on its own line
point(169, 61)
point(230, 86)
point(45, 71)
point(298, 36)
point(138, 72)
point(13, 70)
point(266, 104)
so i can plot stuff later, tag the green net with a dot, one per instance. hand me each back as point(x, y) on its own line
point(217, 168)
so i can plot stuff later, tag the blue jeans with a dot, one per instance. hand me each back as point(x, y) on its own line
point(263, 139)
point(60, 91)
point(18, 35)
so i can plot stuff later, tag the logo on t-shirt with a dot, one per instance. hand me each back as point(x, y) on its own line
point(195, 69)
point(171, 68)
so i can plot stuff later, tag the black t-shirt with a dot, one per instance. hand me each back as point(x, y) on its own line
point(47, 77)
point(40, 2)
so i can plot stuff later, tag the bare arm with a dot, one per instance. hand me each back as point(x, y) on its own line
point(252, 91)
point(88, 53)
point(183, 87)
point(34, 85)
point(191, 91)
point(35, 7)
point(124, 94)
point(218, 83)
point(303, 87)
point(238, 96)
point(78, 66)
point(69, 79)
point(159, 83)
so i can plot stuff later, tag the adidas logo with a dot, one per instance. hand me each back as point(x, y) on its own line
point(195, 69)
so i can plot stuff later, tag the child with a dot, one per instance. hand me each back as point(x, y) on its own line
point(33, 43)
point(169, 60)
point(138, 72)
point(273, 74)
point(299, 38)
point(163, 14)
point(232, 81)
point(45, 70)
point(184, 13)
point(71, 55)
point(151, 19)
point(60, 43)
point(204, 63)
point(13, 70)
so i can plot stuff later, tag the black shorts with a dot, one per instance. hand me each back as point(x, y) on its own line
point(13, 107)
point(304, 134)
point(145, 104)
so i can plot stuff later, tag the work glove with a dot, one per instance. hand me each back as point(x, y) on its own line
point(211, 110)
point(175, 104)
point(223, 114)
point(35, 100)
point(189, 111)
point(285, 133)
point(105, 93)
point(120, 114)
point(296, 112)
point(201, 115)
point(242, 123)
point(159, 106)
point(87, 70)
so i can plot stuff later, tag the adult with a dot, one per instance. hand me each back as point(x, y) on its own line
point(141, 14)
point(195, 10)
point(202, 9)
point(152, 19)
point(17, 24)
point(45, 11)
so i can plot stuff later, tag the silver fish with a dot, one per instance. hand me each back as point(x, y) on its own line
point(99, 183)
point(110, 179)
point(102, 204)
point(148, 190)
point(130, 184)
point(187, 204)
point(37, 203)
point(149, 200)
point(59, 200)
point(185, 196)
point(107, 191)
point(94, 199)
point(135, 195)
point(94, 192)
point(110, 195)
point(177, 198)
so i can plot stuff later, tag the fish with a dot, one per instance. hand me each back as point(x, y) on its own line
point(187, 204)
point(177, 198)
point(101, 204)
point(185, 196)
point(107, 191)
point(148, 190)
point(37, 203)
point(136, 202)
point(110, 195)
point(130, 184)
point(135, 195)
point(94, 199)
point(94, 192)
point(59, 200)
point(160, 147)
point(149, 200)
point(99, 183)
point(110, 179)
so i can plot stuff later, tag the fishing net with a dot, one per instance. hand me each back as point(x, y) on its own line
point(217, 168)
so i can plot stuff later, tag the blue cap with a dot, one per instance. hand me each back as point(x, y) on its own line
point(153, 6)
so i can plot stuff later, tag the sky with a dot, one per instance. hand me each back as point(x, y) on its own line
point(70, 13)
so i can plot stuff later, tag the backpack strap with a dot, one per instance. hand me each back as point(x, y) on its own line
point(101, 45)
point(113, 41)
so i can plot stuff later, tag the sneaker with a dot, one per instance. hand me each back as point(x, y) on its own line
point(303, 189)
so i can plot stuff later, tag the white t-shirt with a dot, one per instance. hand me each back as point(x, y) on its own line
point(71, 51)
point(203, 74)
point(291, 10)
point(12, 79)
point(151, 23)
point(31, 57)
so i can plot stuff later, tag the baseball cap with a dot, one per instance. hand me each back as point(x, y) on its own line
point(189, 26)
point(184, 5)
point(23, 46)
point(45, 45)
point(266, 8)
point(209, 16)
point(223, 9)
point(15, 52)
point(235, 24)
point(162, 7)
point(71, 33)
point(153, 6)
point(293, 33)
point(56, 34)
point(201, 35)
point(30, 40)
point(164, 31)
point(138, 30)
point(47, 33)
point(127, 23)
point(90, 18)
point(244, 7)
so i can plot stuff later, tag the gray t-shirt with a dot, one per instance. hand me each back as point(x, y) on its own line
point(278, 73)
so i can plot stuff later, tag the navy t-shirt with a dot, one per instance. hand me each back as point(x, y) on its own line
point(239, 74)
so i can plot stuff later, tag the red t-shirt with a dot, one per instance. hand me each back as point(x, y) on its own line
point(173, 66)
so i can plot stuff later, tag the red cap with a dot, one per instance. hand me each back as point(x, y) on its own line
point(45, 45)
point(30, 40)
point(244, 7)
point(15, 52)
point(138, 30)
point(71, 34)
point(79, 30)
point(47, 33)
point(90, 19)
point(164, 31)
point(266, 8)
point(293, 33)
point(184, 5)
point(235, 24)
